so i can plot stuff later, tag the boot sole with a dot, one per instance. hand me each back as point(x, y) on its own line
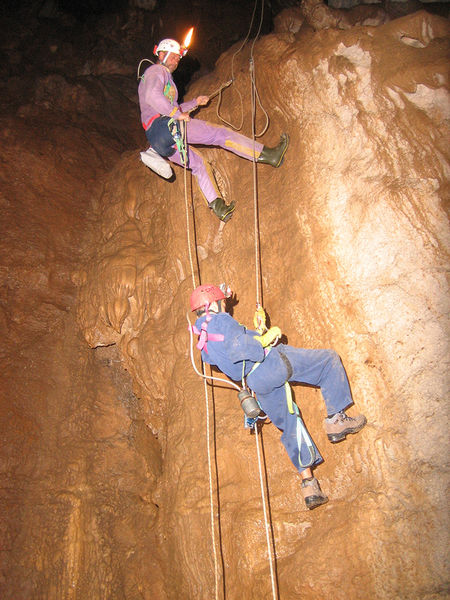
point(227, 217)
point(338, 437)
point(313, 502)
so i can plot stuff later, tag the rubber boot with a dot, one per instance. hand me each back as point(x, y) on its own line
point(222, 210)
point(274, 156)
point(340, 425)
point(312, 493)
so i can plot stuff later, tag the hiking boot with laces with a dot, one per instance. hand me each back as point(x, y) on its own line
point(223, 211)
point(340, 425)
point(274, 156)
point(312, 493)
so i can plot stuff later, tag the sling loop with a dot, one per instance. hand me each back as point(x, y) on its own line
point(303, 436)
point(228, 382)
point(239, 127)
point(175, 132)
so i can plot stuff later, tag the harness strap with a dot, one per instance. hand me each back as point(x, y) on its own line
point(287, 363)
point(150, 121)
point(303, 436)
point(175, 132)
point(204, 336)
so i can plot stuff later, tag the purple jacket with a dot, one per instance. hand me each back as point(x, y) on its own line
point(158, 95)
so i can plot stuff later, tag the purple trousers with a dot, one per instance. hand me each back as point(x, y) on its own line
point(207, 134)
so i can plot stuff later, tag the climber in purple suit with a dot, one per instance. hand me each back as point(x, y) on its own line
point(158, 100)
point(245, 354)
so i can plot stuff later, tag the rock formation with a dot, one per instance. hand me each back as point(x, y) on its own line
point(321, 16)
point(354, 242)
point(105, 460)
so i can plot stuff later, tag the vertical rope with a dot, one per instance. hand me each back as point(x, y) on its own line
point(186, 204)
point(254, 97)
point(269, 539)
point(208, 437)
point(255, 192)
point(266, 520)
point(211, 503)
point(238, 127)
point(258, 278)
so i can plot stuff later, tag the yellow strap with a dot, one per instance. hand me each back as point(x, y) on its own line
point(259, 320)
point(289, 400)
point(269, 338)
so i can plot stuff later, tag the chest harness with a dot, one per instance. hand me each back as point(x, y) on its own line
point(203, 334)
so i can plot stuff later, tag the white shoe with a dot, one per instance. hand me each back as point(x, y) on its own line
point(157, 163)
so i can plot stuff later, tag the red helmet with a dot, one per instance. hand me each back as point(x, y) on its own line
point(203, 295)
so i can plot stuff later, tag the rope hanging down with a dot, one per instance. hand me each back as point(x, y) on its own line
point(269, 539)
point(217, 574)
point(258, 289)
point(239, 127)
point(263, 484)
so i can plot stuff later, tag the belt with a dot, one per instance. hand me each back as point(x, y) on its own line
point(287, 363)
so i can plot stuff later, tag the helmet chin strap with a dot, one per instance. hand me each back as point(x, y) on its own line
point(215, 309)
point(165, 58)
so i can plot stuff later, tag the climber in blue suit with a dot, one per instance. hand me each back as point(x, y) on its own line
point(241, 353)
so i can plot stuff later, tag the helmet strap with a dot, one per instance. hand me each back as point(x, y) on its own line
point(208, 311)
point(208, 314)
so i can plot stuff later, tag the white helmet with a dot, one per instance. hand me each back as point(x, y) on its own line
point(169, 45)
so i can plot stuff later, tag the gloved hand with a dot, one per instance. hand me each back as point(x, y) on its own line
point(269, 337)
point(259, 320)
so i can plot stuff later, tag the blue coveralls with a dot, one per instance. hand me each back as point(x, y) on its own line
point(322, 368)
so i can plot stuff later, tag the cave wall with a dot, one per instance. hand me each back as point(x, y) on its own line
point(354, 254)
point(73, 523)
point(103, 471)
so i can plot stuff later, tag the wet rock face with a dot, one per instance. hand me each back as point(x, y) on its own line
point(354, 250)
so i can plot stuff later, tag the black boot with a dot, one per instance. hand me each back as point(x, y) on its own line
point(274, 156)
point(222, 210)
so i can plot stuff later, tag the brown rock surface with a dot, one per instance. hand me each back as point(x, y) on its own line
point(320, 15)
point(354, 241)
point(108, 490)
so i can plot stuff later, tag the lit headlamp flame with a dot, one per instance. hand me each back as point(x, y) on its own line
point(187, 41)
